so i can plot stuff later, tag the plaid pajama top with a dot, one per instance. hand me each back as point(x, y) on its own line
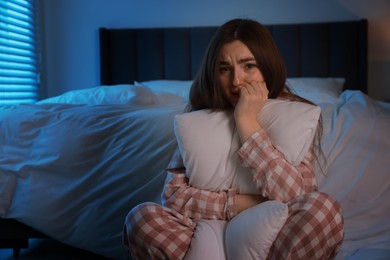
point(276, 178)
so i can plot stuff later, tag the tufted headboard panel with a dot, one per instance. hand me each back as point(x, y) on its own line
point(331, 49)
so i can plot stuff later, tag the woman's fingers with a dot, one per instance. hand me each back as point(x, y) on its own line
point(259, 89)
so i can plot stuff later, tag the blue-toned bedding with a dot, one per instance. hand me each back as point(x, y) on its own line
point(72, 166)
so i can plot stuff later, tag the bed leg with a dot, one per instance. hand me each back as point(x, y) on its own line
point(16, 253)
point(16, 244)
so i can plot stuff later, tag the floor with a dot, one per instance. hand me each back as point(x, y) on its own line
point(45, 249)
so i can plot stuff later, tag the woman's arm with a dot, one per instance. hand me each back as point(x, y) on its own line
point(179, 195)
point(197, 203)
point(274, 176)
point(193, 202)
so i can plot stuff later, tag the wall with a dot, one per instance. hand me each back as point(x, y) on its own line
point(71, 30)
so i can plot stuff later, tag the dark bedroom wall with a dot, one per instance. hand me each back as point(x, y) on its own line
point(71, 30)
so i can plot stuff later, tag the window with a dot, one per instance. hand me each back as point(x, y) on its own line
point(19, 56)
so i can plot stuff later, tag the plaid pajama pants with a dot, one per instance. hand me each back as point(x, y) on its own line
point(313, 230)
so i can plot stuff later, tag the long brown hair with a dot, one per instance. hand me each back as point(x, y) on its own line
point(205, 92)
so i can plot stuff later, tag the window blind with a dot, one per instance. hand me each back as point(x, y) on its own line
point(19, 70)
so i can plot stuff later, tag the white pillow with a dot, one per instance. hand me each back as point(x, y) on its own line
point(250, 234)
point(177, 87)
point(291, 127)
point(208, 142)
point(115, 94)
point(205, 139)
point(208, 241)
point(317, 90)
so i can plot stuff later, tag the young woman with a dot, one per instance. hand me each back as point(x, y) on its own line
point(242, 68)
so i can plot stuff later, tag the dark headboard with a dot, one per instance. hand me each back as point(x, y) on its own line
point(334, 49)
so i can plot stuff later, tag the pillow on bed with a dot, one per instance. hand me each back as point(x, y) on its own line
point(177, 87)
point(208, 141)
point(317, 90)
point(115, 94)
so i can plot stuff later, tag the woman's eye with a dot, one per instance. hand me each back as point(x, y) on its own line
point(250, 65)
point(223, 69)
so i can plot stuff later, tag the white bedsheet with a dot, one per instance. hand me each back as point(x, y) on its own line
point(73, 171)
point(357, 146)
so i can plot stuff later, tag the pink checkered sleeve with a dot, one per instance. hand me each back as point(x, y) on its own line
point(274, 176)
point(196, 203)
point(193, 202)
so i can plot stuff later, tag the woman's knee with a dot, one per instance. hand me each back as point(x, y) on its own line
point(313, 230)
point(319, 206)
point(327, 212)
point(151, 231)
point(141, 211)
point(138, 217)
point(327, 208)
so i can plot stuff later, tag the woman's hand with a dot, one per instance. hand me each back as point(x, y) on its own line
point(245, 201)
point(253, 97)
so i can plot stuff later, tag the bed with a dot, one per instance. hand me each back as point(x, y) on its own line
point(72, 166)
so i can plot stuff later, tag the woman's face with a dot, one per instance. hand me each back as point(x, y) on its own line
point(237, 67)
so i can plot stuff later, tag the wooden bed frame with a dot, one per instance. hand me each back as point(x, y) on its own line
point(335, 49)
point(16, 235)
